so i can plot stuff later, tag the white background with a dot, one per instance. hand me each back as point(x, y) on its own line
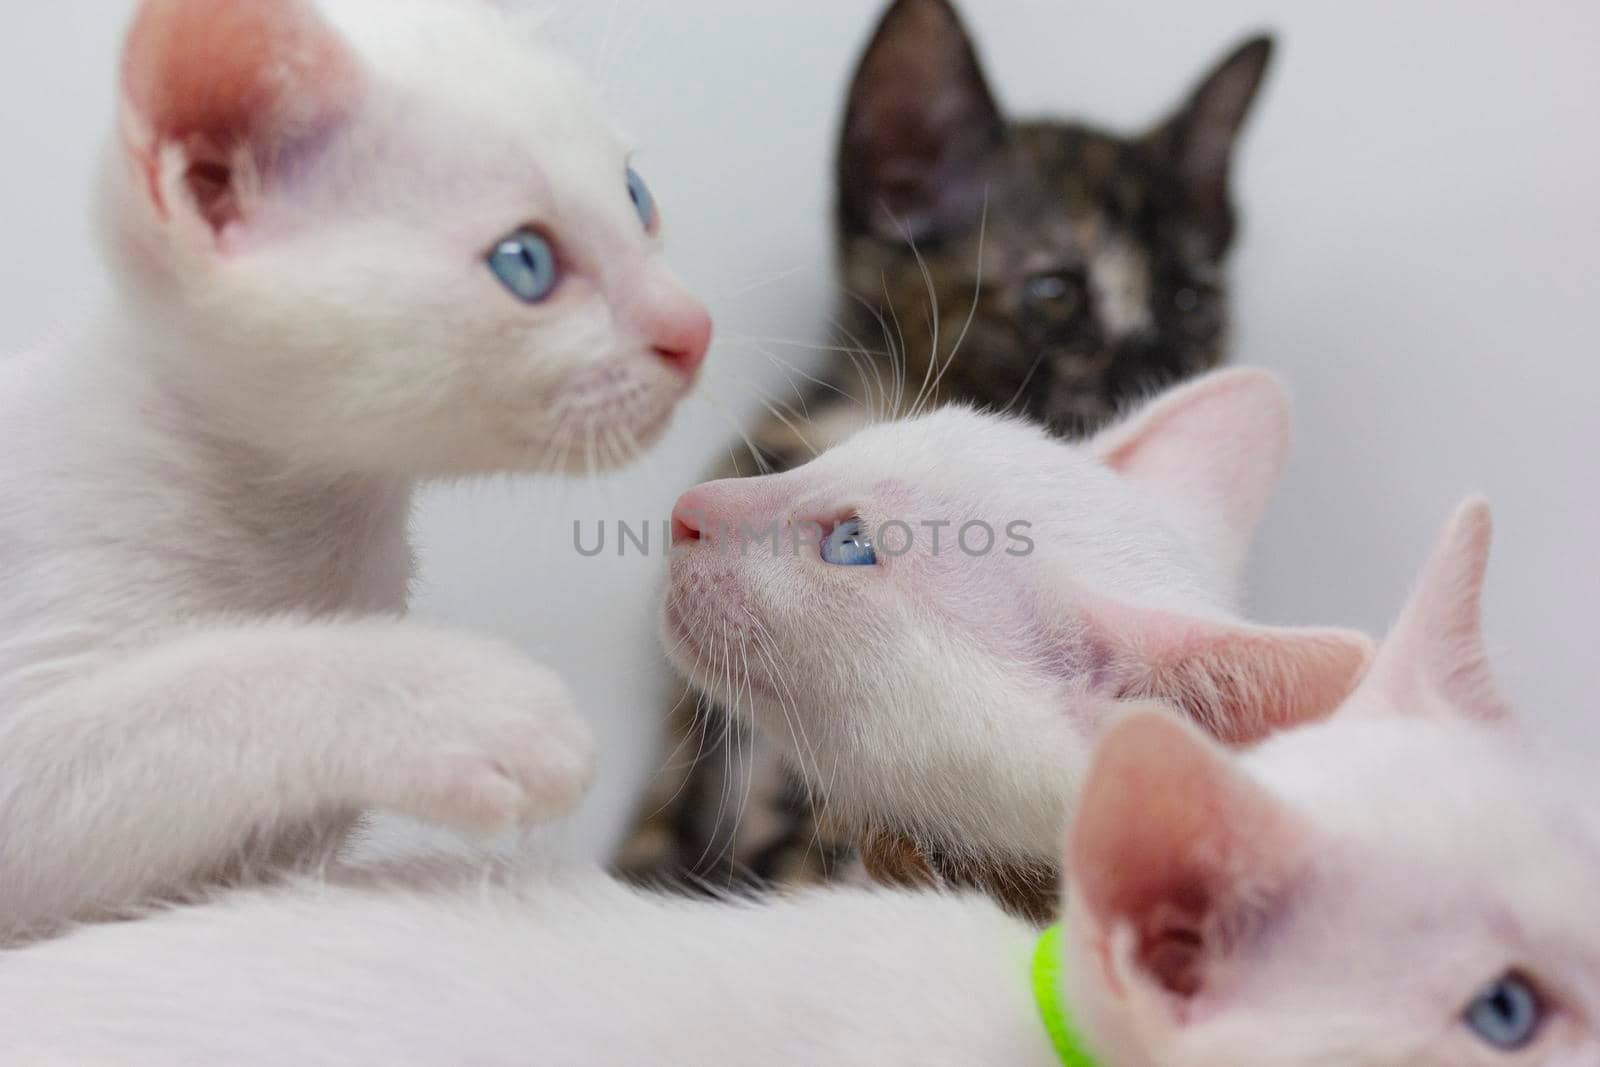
point(1420, 259)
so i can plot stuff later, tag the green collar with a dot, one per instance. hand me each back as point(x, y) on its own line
point(1047, 992)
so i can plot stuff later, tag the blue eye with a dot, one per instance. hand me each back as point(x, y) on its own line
point(643, 202)
point(525, 263)
point(1507, 1014)
point(849, 546)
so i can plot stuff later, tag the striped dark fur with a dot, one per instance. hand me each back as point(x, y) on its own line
point(1075, 269)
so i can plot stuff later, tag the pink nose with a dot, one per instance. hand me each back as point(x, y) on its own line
point(689, 518)
point(683, 337)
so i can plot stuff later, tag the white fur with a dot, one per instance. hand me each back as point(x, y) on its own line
point(575, 973)
point(1388, 866)
point(957, 697)
point(204, 498)
point(1410, 858)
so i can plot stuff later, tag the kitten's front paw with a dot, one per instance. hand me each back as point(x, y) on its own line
point(507, 750)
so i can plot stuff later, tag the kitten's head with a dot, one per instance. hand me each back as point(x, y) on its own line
point(1101, 256)
point(936, 617)
point(1396, 886)
point(395, 236)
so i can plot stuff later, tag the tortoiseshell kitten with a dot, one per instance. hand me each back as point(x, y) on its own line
point(1077, 269)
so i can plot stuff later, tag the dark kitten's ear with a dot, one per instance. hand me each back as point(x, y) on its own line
point(1200, 138)
point(920, 128)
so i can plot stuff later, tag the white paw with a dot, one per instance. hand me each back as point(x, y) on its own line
point(499, 747)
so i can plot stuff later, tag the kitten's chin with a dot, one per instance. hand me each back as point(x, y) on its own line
point(712, 665)
point(607, 445)
point(606, 418)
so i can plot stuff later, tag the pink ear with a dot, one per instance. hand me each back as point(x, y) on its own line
point(230, 81)
point(1434, 660)
point(1240, 682)
point(1172, 842)
point(1215, 447)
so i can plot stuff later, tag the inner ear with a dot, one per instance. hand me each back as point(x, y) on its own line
point(1174, 845)
point(1174, 952)
point(211, 183)
point(241, 90)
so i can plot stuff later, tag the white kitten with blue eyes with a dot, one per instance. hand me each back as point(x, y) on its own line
point(941, 691)
point(1400, 886)
point(358, 243)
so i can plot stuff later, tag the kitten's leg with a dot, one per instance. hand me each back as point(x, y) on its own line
point(154, 773)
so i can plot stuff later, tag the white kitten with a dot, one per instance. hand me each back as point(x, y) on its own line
point(953, 693)
point(357, 244)
point(1393, 888)
point(1401, 885)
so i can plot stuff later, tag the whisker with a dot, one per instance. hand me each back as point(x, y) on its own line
point(756, 455)
point(762, 283)
point(977, 293)
point(934, 323)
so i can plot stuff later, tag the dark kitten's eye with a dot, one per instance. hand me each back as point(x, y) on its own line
point(1059, 294)
point(643, 202)
point(849, 546)
point(525, 263)
point(1507, 1014)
